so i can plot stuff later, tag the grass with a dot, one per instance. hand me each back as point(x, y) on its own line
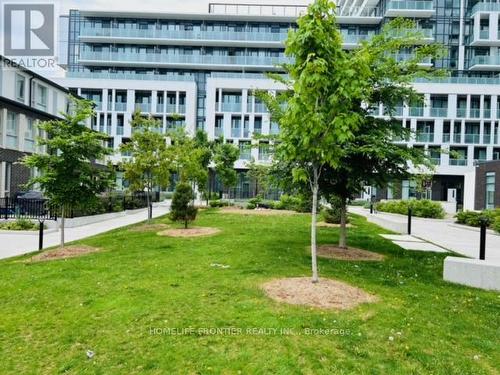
point(110, 302)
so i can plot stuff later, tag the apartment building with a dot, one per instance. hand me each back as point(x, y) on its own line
point(200, 70)
point(25, 98)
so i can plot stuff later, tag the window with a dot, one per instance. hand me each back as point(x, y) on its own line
point(41, 96)
point(7, 179)
point(30, 135)
point(12, 129)
point(490, 190)
point(20, 84)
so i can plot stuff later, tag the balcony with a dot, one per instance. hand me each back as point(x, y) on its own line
point(219, 132)
point(158, 60)
point(425, 137)
point(458, 162)
point(416, 111)
point(461, 112)
point(457, 138)
point(401, 57)
point(351, 41)
point(159, 107)
point(171, 108)
point(230, 107)
point(439, 112)
point(260, 108)
point(426, 35)
point(486, 139)
point(120, 107)
point(475, 113)
point(143, 107)
point(485, 7)
point(132, 76)
point(471, 138)
point(182, 37)
point(409, 8)
point(486, 113)
point(489, 63)
point(446, 137)
point(236, 132)
point(435, 161)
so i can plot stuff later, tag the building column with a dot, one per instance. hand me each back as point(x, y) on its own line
point(2, 179)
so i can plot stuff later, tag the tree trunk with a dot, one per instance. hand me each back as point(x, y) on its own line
point(149, 204)
point(315, 189)
point(62, 226)
point(343, 224)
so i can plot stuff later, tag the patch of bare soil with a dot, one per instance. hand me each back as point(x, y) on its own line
point(351, 253)
point(257, 211)
point(327, 294)
point(190, 232)
point(64, 253)
point(329, 225)
point(149, 228)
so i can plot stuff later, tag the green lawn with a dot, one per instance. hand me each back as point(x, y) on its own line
point(51, 313)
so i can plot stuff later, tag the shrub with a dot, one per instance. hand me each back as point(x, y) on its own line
point(219, 203)
point(182, 209)
point(474, 218)
point(420, 208)
point(19, 224)
point(333, 215)
point(496, 224)
point(359, 202)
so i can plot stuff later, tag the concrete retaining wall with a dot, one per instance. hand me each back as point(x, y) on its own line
point(477, 273)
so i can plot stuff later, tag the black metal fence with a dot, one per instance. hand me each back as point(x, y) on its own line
point(37, 209)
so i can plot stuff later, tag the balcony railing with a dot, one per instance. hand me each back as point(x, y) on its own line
point(171, 108)
point(172, 59)
point(133, 76)
point(457, 138)
point(471, 138)
point(475, 113)
point(356, 38)
point(416, 111)
point(159, 107)
point(410, 5)
point(425, 137)
point(120, 107)
point(485, 60)
point(458, 162)
point(153, 33)
point(231, 107)
point(182, 108)
point(487, 113)
point(461, 112)
point(435, 161)
point(260, 108)
point(484, 34)
point(236, 132)
point(219, 132)
point(486, 139)
point(446, 138)
point(143, 107)
point(439, 112)
point(485, 7)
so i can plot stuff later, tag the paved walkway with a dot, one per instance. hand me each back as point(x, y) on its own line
point(444, 233)
point(18, 244)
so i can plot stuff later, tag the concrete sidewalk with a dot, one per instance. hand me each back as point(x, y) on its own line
point(18, 244)
point(443, 233)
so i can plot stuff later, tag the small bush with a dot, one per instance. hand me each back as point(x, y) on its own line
point(475, 218)
point(219, 203)
point(359, 202)
point(19, 224)
point(496, 224)
point(420, 208)
point(333, 215)
point(182, 209)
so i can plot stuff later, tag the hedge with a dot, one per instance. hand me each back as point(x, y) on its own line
point(420, 208)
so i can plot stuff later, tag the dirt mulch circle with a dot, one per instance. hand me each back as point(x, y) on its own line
point(149, 228)
point(64, 253)
point(351, 253)
point(257, 211)
point(190, 232)
point(322, 224)
point(326, 294)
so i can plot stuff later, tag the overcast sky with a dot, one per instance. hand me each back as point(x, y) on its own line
point(189, 6)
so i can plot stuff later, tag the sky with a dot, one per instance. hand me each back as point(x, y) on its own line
point(189, 6)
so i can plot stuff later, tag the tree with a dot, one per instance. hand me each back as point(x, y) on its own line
point(260, 174)
point(69, 175)
point(207, 151)
point(181, 209)
point(149, 164)
point(330, 94)
point(323, 87)
point(225, 155)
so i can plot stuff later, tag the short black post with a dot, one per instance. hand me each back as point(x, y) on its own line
point(150, 211)
point(6, 208)
point(409, 220)
point(40, 235)
point(482, 242)
point(371, 208)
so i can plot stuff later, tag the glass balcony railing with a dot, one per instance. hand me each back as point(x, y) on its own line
point(471, 138)
point(260, 108)
point(425, 137)
point(426, 33)
point(446, 137)
point(435, 161)
point(457, 138)
point(410, 5)
point(143, 107)
point(439, 112)
point(172, 59)
point(133, 76)
point(230, 107)
point(458, 162)
point(356, 38)
point(484, 34)
point(487, 113)
point(416, 111)
point(219, 132)
point(475, 113)
point(236, 132)
point(120, 107)
point(171, 108)
point(485, 7)
point(182, 108)
point(461, 112)
point(153, 33)
point(486, 139)
point(159, 107)
point(485, 60)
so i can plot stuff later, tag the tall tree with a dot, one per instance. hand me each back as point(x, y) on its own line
point(149, 164)
point(69, 175)
point(260, 174)
point(225, 155)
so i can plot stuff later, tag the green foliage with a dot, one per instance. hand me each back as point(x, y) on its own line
point(19, 224)
point(150, 164)
point(225, 155)
point(260, 176)
point(359, 203)
point(333, 214)
point(475, 218)
point(420, 208)
point(496, 224)
point(68, 173)
point(219, 203)
point(182, 209)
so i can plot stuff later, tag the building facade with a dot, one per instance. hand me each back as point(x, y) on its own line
point(200, 71)
point(25, 98)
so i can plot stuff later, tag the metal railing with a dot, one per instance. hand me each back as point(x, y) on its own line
point(17, 208)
